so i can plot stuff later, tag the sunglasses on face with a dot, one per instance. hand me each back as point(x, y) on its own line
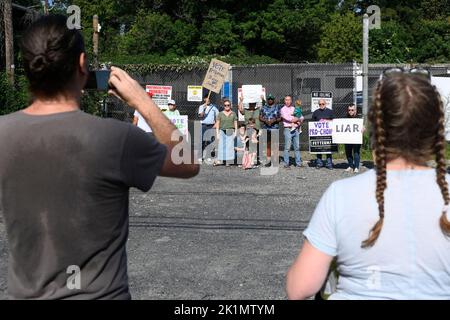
point(321, 104)
point(399, 70)
point(227, 105)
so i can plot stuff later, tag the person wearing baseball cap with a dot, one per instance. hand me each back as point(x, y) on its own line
point(172, 111)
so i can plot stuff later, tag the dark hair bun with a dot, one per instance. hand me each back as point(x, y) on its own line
point(51, 54)
point(38, 64)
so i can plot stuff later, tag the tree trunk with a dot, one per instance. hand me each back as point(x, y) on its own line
point(9, 43)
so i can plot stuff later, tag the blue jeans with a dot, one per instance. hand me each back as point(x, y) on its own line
point(329, 160)
point(289, 137)
point(352, 152)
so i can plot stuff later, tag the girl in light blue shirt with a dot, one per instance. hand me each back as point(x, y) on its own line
point(389, 227)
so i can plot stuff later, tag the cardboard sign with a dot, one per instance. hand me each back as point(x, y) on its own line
point(321, 138)
point(160, 95)
point(348, 131)
point(194, 93)
point(316, 96)
point(216, 75)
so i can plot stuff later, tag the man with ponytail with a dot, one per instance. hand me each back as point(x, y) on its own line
point(391, 239)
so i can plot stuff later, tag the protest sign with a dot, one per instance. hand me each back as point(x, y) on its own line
point(252, 93)
point(321, 137)
point(216, 75)
point(347, 131)
point(160, 95)
point(195, 93)
point(182, 124)
point(316, 96)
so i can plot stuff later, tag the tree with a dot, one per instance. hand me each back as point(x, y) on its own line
point(342, 39)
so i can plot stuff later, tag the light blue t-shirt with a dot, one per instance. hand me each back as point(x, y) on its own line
point(411, 258)
point(211, 113)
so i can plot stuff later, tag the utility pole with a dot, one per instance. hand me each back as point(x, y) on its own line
point(9, 43)
point(96, 27)
point(365, 65)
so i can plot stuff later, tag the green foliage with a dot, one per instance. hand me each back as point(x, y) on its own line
point(13, 98)
point(263, 31)
point(92, 102)
point(341, 39)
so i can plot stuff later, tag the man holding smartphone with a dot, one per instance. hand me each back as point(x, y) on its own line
point(65, 175)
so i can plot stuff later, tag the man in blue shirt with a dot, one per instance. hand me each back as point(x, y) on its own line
point(208, 113)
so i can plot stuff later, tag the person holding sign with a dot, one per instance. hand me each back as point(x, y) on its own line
point(208, 113)
point(291, 132)
point(172, 111)
point(352, 151)
point(251, 112)
point(323, 114)
point(391, 240)
point(226, 130)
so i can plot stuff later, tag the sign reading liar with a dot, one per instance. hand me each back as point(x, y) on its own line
point(160, 95)
point(216, 75)
point(348, 131)
point(320, 137)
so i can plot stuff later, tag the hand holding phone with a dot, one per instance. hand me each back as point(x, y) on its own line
point(98, 80)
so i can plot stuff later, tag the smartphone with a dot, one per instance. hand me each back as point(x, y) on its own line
point(98, 80)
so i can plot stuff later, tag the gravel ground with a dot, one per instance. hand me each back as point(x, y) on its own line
point(226, 234)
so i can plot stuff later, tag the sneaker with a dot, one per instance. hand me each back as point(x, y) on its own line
point(299, 165)
point(268, 164)
point(330, 167)
point(356, 170)
point(319, 165)
point(349, 169)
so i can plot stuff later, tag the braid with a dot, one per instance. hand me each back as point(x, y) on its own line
point(440, 168)
point(380, 162)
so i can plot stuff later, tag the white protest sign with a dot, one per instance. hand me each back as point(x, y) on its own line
point(347, 131)
point(182, 124)
point(252, 93)
point(320, 137)
point(195, 93)
point(259, 103)
point(216, 75)
point(316, 96)
point(160, 95)
point(443, 86)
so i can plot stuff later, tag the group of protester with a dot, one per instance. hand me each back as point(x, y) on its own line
point(238, 142)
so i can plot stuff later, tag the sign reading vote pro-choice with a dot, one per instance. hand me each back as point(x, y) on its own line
point(348, 131)
point(216, 75)
point(321, 137)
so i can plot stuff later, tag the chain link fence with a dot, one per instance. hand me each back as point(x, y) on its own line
point(298, 80)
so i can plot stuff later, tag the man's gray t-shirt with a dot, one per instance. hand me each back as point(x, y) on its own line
point(64, 186)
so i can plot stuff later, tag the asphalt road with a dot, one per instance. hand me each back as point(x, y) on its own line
point(226, 234)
